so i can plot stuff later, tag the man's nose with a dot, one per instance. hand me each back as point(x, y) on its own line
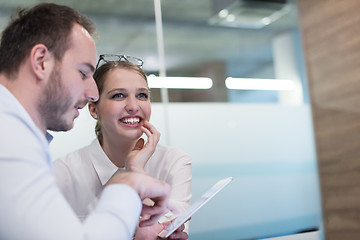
point(91, 90)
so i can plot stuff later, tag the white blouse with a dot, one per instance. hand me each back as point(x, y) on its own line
point(82, 174)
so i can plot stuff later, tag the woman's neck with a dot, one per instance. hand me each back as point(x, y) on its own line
point(116, 150)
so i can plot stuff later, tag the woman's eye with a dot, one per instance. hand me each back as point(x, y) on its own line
point(118, 95)
point(143, 95)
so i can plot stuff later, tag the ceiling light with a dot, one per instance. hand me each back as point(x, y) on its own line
point(266, 21)
point(259, 84)
point(223, 13)
point(252, 14)
point(230, 18)
point(180, 82)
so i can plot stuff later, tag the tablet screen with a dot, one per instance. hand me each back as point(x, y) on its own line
point(183, 217)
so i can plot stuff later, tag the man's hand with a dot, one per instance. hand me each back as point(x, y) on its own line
point(147, 187)
point(179, 233)
point(151, 232)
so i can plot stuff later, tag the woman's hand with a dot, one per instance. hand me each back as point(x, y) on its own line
point(142, 152)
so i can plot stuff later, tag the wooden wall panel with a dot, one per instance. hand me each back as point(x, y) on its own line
point(331, 39)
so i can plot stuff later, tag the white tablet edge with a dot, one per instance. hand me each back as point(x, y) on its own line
point(184, 216)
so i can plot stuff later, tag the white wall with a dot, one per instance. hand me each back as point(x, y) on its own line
point(267, 148)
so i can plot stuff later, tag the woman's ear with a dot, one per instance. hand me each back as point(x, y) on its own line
point(41, 61)
point(92, 110)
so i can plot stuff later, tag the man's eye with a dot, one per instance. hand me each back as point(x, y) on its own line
point(83, 75)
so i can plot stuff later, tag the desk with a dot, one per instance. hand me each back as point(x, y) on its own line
point(301, 236)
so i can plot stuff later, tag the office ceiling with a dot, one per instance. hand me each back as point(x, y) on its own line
point(128, 26)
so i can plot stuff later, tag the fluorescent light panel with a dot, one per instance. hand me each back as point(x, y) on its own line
point(180, 82)
point(259, 84)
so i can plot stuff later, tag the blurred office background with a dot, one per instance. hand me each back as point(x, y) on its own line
point(261, 135)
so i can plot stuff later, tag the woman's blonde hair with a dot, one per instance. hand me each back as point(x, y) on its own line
point(100, 78)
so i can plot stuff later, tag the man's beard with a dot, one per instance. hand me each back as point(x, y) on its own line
point(54, 103)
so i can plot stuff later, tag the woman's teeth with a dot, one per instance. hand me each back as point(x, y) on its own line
point(131, 121)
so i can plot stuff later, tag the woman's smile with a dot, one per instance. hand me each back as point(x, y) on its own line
point(131, 121)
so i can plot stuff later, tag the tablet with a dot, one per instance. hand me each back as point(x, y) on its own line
point(184, 216)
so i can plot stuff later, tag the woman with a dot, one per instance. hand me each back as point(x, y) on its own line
point(122, 113)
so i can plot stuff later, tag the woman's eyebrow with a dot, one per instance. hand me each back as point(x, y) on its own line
point(117, 89)
point(143, 89)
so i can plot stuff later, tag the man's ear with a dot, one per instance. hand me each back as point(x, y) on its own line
point(41, 61)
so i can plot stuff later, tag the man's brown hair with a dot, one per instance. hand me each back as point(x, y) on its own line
point(46, 23)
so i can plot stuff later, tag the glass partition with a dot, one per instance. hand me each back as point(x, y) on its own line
point(261, 135)
point(262, 138)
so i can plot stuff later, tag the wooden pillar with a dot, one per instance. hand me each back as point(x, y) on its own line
point(331, 39)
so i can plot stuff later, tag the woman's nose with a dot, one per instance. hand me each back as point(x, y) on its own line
point(132, 105)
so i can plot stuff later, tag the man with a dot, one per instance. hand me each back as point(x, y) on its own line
point(47, 58)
